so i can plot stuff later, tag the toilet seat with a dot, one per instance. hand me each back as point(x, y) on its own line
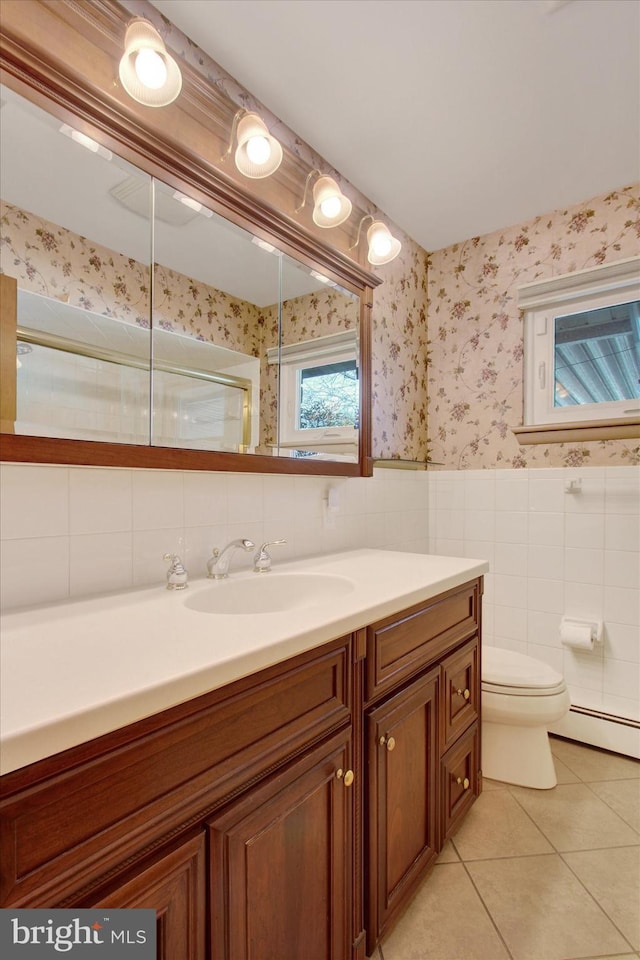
point(514, 674)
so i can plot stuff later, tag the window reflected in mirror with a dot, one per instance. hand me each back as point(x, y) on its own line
point(319, 367)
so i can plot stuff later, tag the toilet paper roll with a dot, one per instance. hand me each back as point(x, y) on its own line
point(576, 635)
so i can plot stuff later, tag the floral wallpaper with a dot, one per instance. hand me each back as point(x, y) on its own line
point(476, 331)
point(400, 357)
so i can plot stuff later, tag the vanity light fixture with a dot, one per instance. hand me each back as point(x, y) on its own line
point(258, 154)
point(85, 141)
point(383, 246)
point(192, 204)
point(330, 206)
point(147, 72)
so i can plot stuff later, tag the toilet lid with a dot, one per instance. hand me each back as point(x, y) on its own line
point(510, 669)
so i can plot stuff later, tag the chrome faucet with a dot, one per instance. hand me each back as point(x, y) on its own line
point(262, 560)
point(218, 564)
point(177, 575)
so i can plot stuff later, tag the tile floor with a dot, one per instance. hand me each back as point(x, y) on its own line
point(536, 874)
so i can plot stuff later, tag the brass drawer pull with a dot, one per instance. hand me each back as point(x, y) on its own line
point(465, 783)
point(347, 777)
point(464, 693)
point(388, 742)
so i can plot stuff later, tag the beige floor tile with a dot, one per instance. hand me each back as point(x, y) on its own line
point(488, 784)
point(591, 764)
point(542, 910)
point(613, 878)
point(445, 921)
point(563, 773)
point(572, 817)
point(497, 826)
point(618, 956)
point(448, 854)
point(623, 796)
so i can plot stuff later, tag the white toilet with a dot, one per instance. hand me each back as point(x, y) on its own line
point(520, 698)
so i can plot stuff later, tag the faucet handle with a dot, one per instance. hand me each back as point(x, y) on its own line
point(262, 560)
point(177, 575)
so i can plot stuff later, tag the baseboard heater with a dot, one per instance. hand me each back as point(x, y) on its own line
point(605, 730)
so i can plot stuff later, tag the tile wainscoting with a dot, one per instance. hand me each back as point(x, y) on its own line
point(554, 553)
point(72, 531)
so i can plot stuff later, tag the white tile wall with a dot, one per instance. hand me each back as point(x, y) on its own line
point(73, 531)
point(553, 553)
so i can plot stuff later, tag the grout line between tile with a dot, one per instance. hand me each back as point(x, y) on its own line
point(488, 912)
point(595, 900)
point(613, 810)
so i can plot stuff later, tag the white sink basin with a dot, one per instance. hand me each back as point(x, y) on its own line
point(269, 593)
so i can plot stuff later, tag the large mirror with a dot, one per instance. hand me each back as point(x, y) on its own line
point(134, 314)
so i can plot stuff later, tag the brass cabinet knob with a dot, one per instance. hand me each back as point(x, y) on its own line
point(348, 777)
point(388, 742)
point(465, 783)
point(464, 693)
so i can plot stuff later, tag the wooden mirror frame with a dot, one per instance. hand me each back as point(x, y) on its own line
point(181, 144)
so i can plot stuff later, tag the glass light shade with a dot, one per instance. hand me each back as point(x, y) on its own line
point(383, 247)
point(148, 74)
point(252, 158)
point(330, 206)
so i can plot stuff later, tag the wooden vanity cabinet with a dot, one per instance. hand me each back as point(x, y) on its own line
point(402, 753)
point(165, 812)
point(174, 886)
point(289, 814)
point(281, 863)
point(422, 707)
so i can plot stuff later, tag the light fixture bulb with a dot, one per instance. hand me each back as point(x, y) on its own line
point(258, 150)
point(331, 207)
point(150, 68)
point(258, 154)
point(381, 244)
point(147, 72)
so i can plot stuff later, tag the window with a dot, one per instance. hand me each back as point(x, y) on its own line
point(319, 391)
point(582, 347)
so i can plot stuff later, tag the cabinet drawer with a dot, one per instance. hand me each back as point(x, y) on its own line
point(86, 817)
point(399, 647)
point(460, 693)
point(459, 780)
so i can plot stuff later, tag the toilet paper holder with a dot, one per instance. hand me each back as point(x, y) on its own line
point(573, 626)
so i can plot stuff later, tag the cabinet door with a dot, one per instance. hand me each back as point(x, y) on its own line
point(174, 887)
point(281, 864)
point(402, 747)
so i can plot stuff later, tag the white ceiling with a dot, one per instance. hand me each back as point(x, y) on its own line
point(455, 117)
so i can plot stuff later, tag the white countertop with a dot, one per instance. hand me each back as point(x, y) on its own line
point(73, 671)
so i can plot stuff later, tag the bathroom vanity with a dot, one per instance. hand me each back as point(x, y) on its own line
point(274, 785)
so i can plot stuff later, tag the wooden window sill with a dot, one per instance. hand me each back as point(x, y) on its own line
point(621, 428)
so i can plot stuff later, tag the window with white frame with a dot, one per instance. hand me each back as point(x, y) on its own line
point(582, 345)
point(319, 390)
